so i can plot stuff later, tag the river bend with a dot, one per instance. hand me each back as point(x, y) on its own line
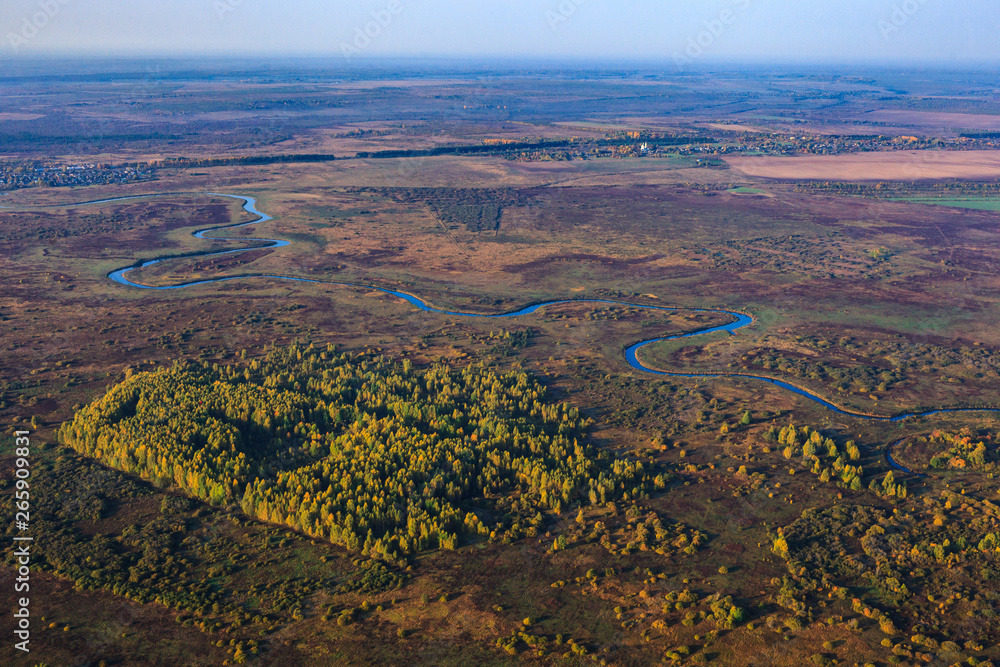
point(739, 319)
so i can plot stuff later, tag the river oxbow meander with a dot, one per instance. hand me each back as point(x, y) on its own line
point(740, 320)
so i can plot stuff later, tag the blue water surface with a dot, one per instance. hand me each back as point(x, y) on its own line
point(739, 320)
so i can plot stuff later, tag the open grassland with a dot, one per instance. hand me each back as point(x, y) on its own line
point(879, 305)
point(976, 203)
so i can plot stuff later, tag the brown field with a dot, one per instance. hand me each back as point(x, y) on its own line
point(14, 116)
point(933, 120)
point(888, 166)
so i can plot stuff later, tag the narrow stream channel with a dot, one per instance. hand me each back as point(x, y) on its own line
point(740, 320)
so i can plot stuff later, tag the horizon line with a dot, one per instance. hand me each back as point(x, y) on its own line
point(555, 59)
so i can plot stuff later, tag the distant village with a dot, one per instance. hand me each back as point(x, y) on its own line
point(16, 175)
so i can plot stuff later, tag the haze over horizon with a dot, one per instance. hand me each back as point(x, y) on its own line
point(883, 31)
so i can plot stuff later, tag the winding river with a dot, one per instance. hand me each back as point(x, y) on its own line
point(740, 320)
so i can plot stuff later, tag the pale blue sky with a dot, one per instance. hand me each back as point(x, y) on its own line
point(804, 30)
